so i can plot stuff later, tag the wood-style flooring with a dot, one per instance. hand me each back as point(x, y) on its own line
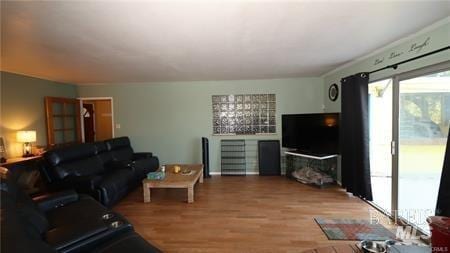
point(240, 214)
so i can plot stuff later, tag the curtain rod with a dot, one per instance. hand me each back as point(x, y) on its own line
point(394, 66)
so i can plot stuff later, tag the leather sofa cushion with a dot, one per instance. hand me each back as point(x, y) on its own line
point(26, 208)
point(120, 148)
point(83, 167)
point(54, 200)
point(128, 242)
point(70, 153)
point(100, 146)
point(115, 185)
point(76, 160)
point(80, 224)
point(15, 236)
point(102, 152)
point(38, 221)
point(86, 209)
point(118, 142)
point(62, 237)
point(83, 184)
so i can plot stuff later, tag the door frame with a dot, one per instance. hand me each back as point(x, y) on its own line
point(82, 99)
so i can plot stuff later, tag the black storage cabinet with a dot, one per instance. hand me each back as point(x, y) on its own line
point(269, 158)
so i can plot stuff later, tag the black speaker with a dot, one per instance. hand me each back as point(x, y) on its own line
point(205, 157)
point(269, 158)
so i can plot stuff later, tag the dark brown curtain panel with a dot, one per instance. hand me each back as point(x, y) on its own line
point(443, 203)
point(355, 135)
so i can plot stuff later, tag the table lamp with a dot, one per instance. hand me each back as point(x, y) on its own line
point(26, 137)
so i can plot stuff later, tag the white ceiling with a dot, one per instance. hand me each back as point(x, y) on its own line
point(124, 41)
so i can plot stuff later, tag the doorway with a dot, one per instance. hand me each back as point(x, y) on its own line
point(88, 122)
point(97, 119)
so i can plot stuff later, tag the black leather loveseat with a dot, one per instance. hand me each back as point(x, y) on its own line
point(105, 170)
point(63, 222)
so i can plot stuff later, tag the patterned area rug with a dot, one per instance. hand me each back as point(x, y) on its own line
point(357, 230)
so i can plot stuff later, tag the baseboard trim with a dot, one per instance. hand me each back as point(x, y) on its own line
point(214, 173)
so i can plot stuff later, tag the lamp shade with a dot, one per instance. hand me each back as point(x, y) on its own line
point(26, 136)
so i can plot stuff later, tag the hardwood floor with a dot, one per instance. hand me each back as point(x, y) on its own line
point(240, 214)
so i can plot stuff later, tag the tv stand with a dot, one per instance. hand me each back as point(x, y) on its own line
point(311, 155)
point(297, 161)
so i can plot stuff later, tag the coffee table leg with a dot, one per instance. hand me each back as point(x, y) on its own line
point(201, 177)
point(190, 194)
point(147, 193)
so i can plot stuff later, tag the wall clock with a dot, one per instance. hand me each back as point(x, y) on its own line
point(333, 92)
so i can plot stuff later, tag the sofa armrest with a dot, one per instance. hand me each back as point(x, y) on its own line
point(73, 236)
point(54, 200)
point(141, 155)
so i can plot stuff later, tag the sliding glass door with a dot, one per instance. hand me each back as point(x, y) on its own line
point(424, 116)
point(380, 135)
point(409, 124)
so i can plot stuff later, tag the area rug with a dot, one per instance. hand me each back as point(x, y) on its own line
point(357, 230)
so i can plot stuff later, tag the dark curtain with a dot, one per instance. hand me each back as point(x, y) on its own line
point(355, 135)
point(443, 203)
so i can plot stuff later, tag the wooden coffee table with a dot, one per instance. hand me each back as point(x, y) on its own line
point(173, 180)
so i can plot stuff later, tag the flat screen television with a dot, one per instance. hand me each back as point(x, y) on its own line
point(316, 133)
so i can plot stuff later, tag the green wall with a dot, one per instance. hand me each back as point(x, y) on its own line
point(170, 118)
point(434, 37)
point(22, 107)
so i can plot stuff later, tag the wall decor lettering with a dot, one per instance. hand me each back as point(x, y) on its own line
point(244, 114)
point(415, 48)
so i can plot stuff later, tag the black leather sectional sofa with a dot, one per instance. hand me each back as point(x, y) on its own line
point(105, 170)
point(85, 180)
point(63, 222)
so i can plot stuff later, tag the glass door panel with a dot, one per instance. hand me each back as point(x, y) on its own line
point(63, 121)
point(380, 120)
point(424, 116)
